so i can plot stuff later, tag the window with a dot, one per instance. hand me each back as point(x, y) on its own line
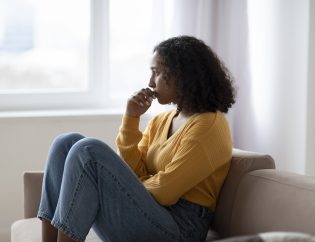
point(130, 45)
point(135, 27)
point(41, 51)
point(44, 50)
point(76, 53)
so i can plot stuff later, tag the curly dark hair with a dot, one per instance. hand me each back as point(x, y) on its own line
point(203, 82)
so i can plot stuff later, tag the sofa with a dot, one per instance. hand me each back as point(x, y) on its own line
point(255, 198)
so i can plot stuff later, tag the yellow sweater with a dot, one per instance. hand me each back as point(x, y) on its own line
point(191, 164)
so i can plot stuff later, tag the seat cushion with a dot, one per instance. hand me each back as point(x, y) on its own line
point(29, 230)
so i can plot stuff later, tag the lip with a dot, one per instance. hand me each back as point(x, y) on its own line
point(155, 95)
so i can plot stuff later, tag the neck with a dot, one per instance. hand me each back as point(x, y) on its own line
point(183, 113)
point(178, 110)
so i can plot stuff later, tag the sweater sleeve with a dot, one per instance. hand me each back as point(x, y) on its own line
point(129, 147)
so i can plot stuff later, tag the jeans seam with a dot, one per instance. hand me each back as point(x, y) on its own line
point(67, 231)
point(43, 215)
point(62, 225)
point(145, 215)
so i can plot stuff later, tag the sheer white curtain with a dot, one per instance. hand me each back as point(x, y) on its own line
point(310, 139)
point(223, 25)
point(279, 51)
point(265, 46)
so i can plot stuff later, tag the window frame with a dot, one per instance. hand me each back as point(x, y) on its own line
point(94, 96)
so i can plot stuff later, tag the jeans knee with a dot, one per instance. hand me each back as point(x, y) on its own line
point(67, 140)
point(89, 141)
point(92, 144)
point(91, 149)
point(60, 148)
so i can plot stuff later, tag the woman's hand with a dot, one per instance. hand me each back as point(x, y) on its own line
point(140, 102)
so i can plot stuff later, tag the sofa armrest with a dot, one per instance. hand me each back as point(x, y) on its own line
point(274, 200)
point(242, 163)
point(32, 192)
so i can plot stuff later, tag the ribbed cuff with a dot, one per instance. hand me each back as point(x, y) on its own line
point(130, 122)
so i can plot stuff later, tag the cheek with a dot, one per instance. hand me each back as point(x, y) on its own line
point(159, 84)
point(164, 88)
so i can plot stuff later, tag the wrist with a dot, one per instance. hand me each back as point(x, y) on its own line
point(130, 122)
point(132, 115)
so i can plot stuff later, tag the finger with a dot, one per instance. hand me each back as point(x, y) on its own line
point(148, 92)
point(135, 99)
point(139, 99)
point(144, 97)
point(145, 91)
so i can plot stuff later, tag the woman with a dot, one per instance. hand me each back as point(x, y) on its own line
point(164, 183)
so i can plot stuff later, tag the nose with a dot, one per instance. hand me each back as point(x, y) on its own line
point(151, 82)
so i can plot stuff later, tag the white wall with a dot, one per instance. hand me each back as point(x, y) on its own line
point(24, 142)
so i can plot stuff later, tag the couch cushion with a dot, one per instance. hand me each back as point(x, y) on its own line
point(286, 237)
point(271, 200)
point(29, 230)
point(271, 237)
point(241, 163)
point(32, 192)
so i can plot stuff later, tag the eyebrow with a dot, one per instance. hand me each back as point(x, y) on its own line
point(153, 68)
point(158, 66)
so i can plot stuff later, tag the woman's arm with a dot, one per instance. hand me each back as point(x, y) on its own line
point(133, 145)
point(130, 136)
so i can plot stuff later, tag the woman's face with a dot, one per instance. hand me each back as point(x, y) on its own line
point(162, 84)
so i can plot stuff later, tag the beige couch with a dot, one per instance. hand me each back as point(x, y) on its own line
point(255, 198)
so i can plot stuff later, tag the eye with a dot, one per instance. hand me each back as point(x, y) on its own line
point(155, 73)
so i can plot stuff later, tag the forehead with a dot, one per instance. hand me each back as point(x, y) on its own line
point(156, 61)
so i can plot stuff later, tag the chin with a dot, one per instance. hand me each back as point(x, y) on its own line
point(164, 102)
point(161, 102)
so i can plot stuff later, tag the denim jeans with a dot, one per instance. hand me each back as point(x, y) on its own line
point(87, 185)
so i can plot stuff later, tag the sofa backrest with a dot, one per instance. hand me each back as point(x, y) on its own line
point(32, 182)
point(242, 163)
point(273, 200)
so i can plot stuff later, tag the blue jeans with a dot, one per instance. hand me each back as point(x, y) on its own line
point(87, 185)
